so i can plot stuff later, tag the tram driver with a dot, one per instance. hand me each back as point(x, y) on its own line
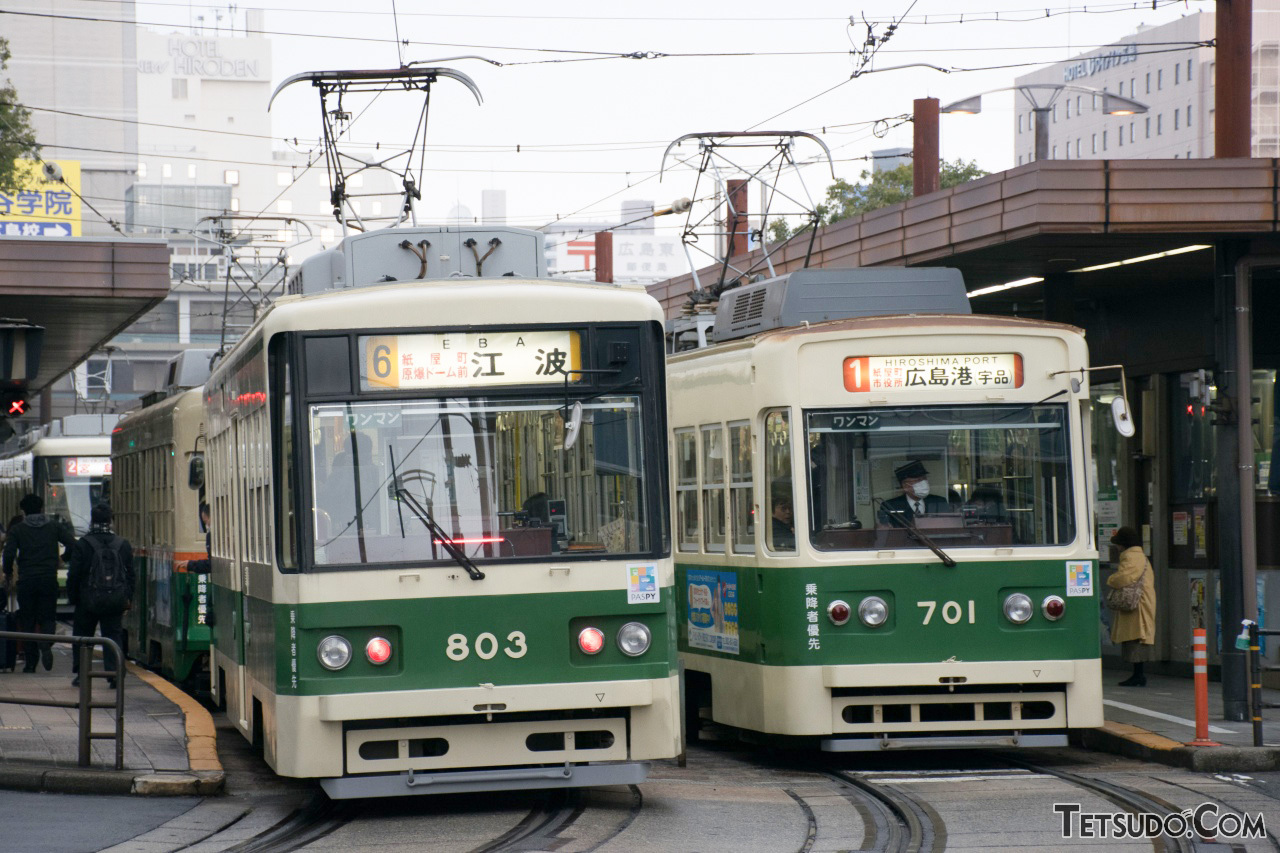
point(916, 498)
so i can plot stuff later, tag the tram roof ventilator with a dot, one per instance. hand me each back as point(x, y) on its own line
point(389, 255)
point(821, 295)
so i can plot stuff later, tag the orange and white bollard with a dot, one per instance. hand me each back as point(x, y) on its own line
point(1200, 666)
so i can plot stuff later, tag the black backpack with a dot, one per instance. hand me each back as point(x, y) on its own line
point(106, 587)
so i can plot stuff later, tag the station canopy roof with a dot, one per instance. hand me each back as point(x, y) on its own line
point(82, 290)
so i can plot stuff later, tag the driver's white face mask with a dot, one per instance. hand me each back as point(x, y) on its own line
point(921, 488)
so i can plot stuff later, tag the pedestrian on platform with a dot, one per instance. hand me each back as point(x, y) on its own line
point(1135, 630)
point(100, 586)
point(33, 543)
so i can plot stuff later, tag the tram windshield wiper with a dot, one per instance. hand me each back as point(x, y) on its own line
point(900, 519)
point(437, 532)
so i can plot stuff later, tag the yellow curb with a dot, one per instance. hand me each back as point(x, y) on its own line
point(1141, 736)
point(196, 719)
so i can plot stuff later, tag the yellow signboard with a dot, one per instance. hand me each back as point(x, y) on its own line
point(42, 207)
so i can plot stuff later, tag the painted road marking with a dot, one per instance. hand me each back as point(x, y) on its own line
point(1182, 721)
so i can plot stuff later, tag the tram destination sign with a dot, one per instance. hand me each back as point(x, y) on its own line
point(468, 359)
point(933, 372)
point(86, 466)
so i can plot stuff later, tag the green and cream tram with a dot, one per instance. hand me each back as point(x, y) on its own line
point(68, 464)
point(882, 518)
point(440, 544)
point(166, 628)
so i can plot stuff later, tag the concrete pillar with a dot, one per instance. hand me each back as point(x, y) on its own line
point(1060, 298)
point(1233, 86)
point(926, 177)
point(184, 319)
point(1227, 453)
point(604, 256)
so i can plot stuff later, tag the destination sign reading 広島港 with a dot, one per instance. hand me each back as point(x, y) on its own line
point(468, 359)
point(936, 372)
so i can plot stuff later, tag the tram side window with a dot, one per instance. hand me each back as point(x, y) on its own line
point(687, 489)
point(777, 460)
point(282, 421)
point(741, 509)
point(713, 508)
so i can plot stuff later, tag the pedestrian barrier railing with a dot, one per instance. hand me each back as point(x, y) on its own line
point(83, 648)
point(1253, 661)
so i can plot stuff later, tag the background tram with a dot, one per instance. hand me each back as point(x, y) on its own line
point(68, 463)
point(440, 550)
point(166, 629)
point(810, 604)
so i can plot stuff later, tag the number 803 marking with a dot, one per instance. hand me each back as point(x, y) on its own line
point(458, 648)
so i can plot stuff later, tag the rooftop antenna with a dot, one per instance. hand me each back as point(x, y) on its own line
point(732, 161)
point(335, 88)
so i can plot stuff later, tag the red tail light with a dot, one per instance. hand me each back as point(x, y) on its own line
point(378, 651)
point(591, 640)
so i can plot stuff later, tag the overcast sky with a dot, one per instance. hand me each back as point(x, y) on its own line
point(592, 128)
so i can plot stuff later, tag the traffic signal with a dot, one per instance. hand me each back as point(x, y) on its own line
point(13, 400)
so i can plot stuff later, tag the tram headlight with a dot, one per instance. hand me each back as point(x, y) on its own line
point(591, 641)
point(378, 651)
point(838, 612)
point(873, 611)
point(1053, 607)
point(634, 639)
point(334, 652)
point(1017, 608)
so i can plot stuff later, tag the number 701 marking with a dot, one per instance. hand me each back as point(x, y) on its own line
point(952, 612)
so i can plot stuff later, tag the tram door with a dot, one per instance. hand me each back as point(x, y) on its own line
point(239, 509)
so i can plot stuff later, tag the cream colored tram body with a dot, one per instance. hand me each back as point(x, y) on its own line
point(68, 464)
point(440, 544)
point(819, 595)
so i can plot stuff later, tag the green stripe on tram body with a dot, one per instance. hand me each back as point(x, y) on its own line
point(284, 637)
point(773, 607)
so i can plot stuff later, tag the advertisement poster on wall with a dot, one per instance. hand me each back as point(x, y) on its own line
point(1196, 590)
point(713, 611)
point(1200, 531)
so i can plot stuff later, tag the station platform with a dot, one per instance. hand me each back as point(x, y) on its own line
point(1157, 723)
point(168, 738)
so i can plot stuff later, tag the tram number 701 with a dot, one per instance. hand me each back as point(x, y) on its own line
point(952, 611)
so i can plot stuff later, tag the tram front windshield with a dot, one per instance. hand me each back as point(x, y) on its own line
point(72, 485)
point(493, 475)
point(993, 476)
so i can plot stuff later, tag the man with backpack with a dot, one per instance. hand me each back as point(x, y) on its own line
point(34, 544)
point(100, 586)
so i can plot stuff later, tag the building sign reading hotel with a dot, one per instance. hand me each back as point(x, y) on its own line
point(197, 57)
point(932, 372)
point(1091, 65)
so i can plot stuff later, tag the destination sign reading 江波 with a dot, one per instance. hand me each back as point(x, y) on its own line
point(935, 372)
point(462, 359)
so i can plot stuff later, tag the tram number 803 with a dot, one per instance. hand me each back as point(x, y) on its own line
point(952, 611)
point(458, 648)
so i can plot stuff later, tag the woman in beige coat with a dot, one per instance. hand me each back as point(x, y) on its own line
point(1135, 631)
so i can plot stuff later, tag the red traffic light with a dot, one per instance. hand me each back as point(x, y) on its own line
point(17, 408)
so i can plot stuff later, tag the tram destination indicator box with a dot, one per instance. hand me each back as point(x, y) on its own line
point(934, 372)
point(469, 359)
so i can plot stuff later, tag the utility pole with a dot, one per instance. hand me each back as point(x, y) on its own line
point(604, 257)
point(926, 177)
point(1233, 85)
